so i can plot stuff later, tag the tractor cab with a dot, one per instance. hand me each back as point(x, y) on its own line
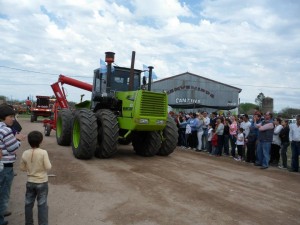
point(118, 80)
point(107, 83)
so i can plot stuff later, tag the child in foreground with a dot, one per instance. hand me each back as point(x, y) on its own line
point(36, 162)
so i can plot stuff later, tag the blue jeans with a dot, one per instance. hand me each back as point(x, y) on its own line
point(6, 179)
point(283, 150)
point(295, 145)
point(182, 137)
point(204, 139)
point(233, 144)
point(220, 144)
point(226, 144)
point(263, 153)
point(39, 192)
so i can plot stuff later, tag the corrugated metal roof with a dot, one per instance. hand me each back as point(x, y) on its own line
point(191, 74)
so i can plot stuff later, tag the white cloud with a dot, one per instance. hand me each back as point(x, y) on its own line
point(160, 9)
point(251, 45)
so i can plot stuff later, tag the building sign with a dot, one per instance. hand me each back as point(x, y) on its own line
point(190, 87)
point(231, 104)
point(187, 100)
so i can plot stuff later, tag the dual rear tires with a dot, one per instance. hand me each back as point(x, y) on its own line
point(90, 134)
point(79, 130)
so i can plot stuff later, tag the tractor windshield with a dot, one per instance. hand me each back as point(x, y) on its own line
point(42, 102)
point(120, 79)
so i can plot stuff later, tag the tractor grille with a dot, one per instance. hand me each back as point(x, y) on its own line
point(153, 104)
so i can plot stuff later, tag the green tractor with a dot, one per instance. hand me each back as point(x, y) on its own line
point(122, 110)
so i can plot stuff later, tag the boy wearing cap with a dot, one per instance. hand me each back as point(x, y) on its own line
point(9, 143)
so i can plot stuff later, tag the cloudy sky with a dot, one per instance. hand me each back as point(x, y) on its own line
point(251, 44)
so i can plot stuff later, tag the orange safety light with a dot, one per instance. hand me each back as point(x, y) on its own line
point(109, 57)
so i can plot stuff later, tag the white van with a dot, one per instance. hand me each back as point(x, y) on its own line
point(292, 121)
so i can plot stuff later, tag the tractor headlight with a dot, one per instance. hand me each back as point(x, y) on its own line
point(144, 121)
point(160, 122)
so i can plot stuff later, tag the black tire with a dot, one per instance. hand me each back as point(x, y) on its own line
point(33, 118)
point(63, 127)
point(108, 133)
point(170, 138)
point(84, 134)
point(146, 143)
point(47, 129)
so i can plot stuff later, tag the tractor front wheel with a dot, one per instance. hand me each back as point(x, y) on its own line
point(108, 133)
point(84, 134)
point(146, 143)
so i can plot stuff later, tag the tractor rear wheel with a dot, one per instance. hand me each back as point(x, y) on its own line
point(84, 134)
point(108, 133)
point(63, 127)
point(146, 143)
point(170, 138)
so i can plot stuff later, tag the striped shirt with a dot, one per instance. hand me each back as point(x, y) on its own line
point(8, 144)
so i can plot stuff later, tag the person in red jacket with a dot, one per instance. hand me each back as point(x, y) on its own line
point(214, 143)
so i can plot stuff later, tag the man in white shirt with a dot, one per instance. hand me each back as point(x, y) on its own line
point(206, 121)
point(294, 136)
point(246, 125)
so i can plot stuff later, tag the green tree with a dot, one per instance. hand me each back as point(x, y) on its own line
point(259, 99)
point(2, 99)
point(247, 108)
point(289, 113)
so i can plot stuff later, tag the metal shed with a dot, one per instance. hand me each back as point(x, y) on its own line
point(194, 92)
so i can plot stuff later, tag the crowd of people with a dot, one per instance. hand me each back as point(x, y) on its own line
point(263, 140)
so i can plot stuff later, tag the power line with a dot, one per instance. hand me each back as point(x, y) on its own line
point(22, 84)
point(266, 86)
point(38, 72)
point(30, 71)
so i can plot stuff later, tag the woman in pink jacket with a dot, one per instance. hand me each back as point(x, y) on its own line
point(233, 132)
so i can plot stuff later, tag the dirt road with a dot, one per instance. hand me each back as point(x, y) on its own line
point(181, 189)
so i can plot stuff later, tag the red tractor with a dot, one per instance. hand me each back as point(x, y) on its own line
point(42, 107)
